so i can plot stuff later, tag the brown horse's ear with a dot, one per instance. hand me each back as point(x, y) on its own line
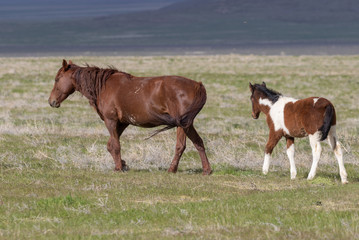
point(70, 62)
point(65, 65)
point(251, 87)
point(264, 84)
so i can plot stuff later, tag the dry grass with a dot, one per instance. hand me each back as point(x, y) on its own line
point(231, 136)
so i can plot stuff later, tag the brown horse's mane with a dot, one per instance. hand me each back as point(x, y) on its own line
point(91, 79)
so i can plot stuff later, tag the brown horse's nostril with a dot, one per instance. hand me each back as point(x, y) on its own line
point(54, 103)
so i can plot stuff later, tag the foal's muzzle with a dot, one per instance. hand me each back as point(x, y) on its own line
point(54, 103)
point(255, 116)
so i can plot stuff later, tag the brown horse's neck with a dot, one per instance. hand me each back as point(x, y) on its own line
point(85, 93)
point(89, 81)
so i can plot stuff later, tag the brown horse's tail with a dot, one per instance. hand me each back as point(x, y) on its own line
point(327, 123)
point(186, 119)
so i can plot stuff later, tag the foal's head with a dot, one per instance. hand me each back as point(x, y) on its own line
point(256, 95)
point(262, 98)
point(64, 85)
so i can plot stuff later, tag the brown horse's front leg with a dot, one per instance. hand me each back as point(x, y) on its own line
point(113, 146)
point(180, 147)
point(198, 143)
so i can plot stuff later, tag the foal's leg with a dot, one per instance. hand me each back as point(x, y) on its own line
point(274, 138)
point(180, 147)
point(335, 146)
point(198, 143)
point(113, 146)
point(316, 151)
point(290, 153)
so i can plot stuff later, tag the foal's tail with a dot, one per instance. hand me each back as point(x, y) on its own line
point(327, 123)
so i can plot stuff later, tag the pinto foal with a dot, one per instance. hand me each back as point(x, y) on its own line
point(292, 118)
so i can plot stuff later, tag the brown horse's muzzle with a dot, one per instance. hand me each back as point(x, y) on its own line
point(255, 116)
point(54, 103)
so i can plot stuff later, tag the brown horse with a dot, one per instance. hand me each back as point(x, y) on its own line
point(292, 118)
point(121, 99)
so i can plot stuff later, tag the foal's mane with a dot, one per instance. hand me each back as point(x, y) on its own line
point(91, 79)
point(272, 95)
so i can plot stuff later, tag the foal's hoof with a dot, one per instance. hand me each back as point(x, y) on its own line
point(207, 172)
point(345, 182)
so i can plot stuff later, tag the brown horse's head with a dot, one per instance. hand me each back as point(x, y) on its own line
point(64, 85)
point(256, 109)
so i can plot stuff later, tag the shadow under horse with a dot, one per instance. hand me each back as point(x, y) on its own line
point(121, 99)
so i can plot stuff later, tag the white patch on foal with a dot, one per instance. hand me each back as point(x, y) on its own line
point(315, 100)
point(276, 112)
point(266, 163)
point(336, 147)
point(314, 140)
point(290, 153)
point(265, 102)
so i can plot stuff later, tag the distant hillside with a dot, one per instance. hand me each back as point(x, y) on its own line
point(21, 10)
point(283, 10)
point(239, 21)
point(199, 23)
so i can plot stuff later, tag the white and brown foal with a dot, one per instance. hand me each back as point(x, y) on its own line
point(292, 118)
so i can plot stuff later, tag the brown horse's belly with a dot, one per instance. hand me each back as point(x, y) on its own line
point(145, 121)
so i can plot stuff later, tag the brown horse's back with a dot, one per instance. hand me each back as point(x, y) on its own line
point(152, 101)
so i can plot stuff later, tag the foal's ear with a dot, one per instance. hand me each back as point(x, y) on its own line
point(65, 65)
point(70, 62)
point(264, 84)
point(251, 87)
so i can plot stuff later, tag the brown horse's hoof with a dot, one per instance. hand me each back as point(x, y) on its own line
point(124, 168)
point(207, 172)
point(172, 170)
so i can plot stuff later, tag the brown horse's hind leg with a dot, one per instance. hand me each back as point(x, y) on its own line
point(198, 143)
point(113, 146)
point(180, 147)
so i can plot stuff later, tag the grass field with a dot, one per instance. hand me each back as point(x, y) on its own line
point(57, 178)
